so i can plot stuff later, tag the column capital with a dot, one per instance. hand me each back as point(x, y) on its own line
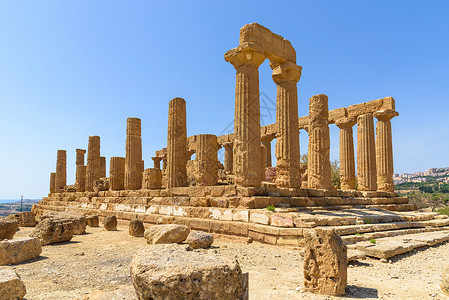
point(345, 122)
point(80, 151)
point(287, 71)
point(385, 115)
point(245, 54)
point(156, 158)
point(228, 145)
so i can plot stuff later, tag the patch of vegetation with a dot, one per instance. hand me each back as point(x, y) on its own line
point(372, 241)
point(359, 234)
point(368, 220)
point(443, 211)
point(271, 208)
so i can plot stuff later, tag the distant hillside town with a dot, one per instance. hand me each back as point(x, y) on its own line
point(433, 174)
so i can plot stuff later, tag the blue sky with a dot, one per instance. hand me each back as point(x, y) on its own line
point(70, 69)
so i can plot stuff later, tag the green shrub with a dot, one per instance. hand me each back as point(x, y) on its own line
point(271, 208)
point(443, 211)
point(372, 241)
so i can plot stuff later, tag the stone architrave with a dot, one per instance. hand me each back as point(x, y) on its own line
point(133, 160)
point(366, 153)
point(156, 162)
point(52, 182)
point(61, 169)
point(80, 180)
point(288, 173)
point(246, 167)
point(117, 173)
point(93, 162)
point(266, 142)
point(319, 168)
point(228, 158)
point(152, 179)
point(384, 150)
point(347, 161)
point(206, 159)
point(176, 144)
point(102, 166)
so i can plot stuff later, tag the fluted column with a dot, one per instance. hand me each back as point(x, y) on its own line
point(247, 115)
point(80, 176)
point(61, 171)
point(384, 150)
point(347, 161)
point(288, 173)
point(228, 158)
point(102, 166)
point(266, 142)
point(206, 159)
point(117, 173)
point(93, 162)
point(52, 182)
point(177, 144)
point(80, 156)
point(133, 158)
point(319, 167)
point(156, 162)
point(366, 153)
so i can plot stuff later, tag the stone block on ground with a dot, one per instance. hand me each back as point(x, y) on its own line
point(355, 255)
point(11, 286)
point(325, 262)
point(199, 239)
point(166, 234)
point(50, 231)
point(19, 250)
point(78, 220)
point(171, 272)
point(8, 228)
point(110, 223)
point(92, 221)
point(136, 228)
point(26, 219)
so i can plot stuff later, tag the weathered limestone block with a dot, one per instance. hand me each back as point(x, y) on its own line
point(171, 272)
point(136, 228)
point(61, 176)
point(93, 162)
point(78, 221)
point(19, 250)
point(166, 234)
point(80, 157)
point(206, 160)
point(286, 76)
point(366, 154)
point(117, 173)
point(133, 159)
point(8, 228)
point(26, 219)
point(384, 150)
point(228, 158)
point(50, 231)
point(101, 184)
point(152, 179)
point(92, 221)
point(347, 161)
point(319, 168)
point(110, 223)
point(445, 281)
point(199, 239)
point(11, 286)
point(52, 182)
point(325, 262)
point(177, 143)
point(246, 167)
point(80, 180)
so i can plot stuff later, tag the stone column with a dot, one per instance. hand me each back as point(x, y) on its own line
point(384, 150)
point(117, 173)
point(156, 162)
point(288, 172)
point(177, 143)
point(52, 182)
point(102, 166)
point(133, 159)
point(347, 162)
point(366, 153)
point(319, 167)
point(80, 157)
point(164, 163)
point(263, 160)
point(266, 142)
point(228, 158)
point(61, 169)
point(206, 159)
point(93, 162)
point(80, 180)
point(152, 179)
point(247, 115)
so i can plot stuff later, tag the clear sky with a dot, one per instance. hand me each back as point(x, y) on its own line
point(70, 69)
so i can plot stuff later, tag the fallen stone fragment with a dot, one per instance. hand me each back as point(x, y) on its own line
point(199, 239)
point(325, 262)
point(136, 228)
point(51, 231)
point(110, 223)
point(166, 234)
point(445, 281)
point(171, 272)
point(92, 221)
point(8, 228)
point(11, 286)
point(26, 219)
point(18, 250)
point(78, 221)
point(355, 255)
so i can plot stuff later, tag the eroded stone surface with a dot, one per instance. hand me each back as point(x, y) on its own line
point(136, 228)
point(110, 223)
point(18, 250)
point(11, 286)
point(8, 228)
point(166, 234)
point(51, 231)
point(199, 239)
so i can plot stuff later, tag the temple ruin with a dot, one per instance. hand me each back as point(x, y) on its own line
point(231, 198)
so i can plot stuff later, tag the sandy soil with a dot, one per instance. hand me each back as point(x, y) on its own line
point(99, 260)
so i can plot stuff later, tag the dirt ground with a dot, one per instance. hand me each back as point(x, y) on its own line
point(99, 261)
